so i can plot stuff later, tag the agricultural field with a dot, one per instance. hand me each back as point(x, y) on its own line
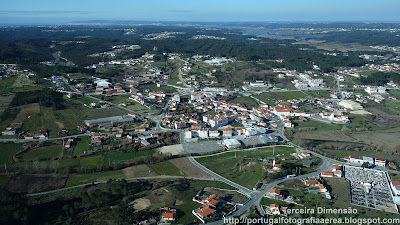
point(95, 160)
point(166, 168)
point(272, 97)
point(120, 157)
point(82, 145)
point(7, 151)
point(244, 100)
point(319, 93)
point(242, 167)
point(316, 124)
point(5, 100)
point(153, 87)
point(46, 152)
point(395, 93)
point(23, 84)
point(389, 107)
point(185, 166)
point(118, 99)
point(6, 85)
point(77, 179)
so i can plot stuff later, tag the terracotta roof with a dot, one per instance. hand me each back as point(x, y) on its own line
point(168, 214)
point(274, 206)
point(205, 211)
point(327, 173)
point(312, 182)
point(396, 182)
point(275, 191)
point(337, 167)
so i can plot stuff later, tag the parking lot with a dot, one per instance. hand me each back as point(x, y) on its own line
point(203, 147)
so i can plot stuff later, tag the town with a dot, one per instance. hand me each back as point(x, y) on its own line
point(182, 137)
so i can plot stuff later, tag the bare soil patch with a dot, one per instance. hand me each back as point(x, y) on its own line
point(140, 204)
point(34, 183)
point(188, 168)
point(383, 119)
point(60, 125)
point(139, 171)
point(27, 110)
point(171, 149)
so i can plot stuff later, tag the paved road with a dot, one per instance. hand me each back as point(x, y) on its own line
point(216, 176)
point(128, 179)
point(15, 140)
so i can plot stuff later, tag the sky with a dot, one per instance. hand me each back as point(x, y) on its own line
point(28, 12)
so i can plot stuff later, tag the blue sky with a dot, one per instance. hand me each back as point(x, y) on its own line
point(54, 12)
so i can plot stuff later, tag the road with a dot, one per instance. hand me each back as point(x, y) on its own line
point(15, 140)
point(254, 196)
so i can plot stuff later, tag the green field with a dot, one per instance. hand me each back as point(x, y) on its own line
point(242, 167)
point(153, 87)
point(69, 163)
point(271, 97)
point(91, 160)
point(359, 121)
point(316, 124)
point(26, 88)
point(5, 100)
point(158, 64)
point(7, 151)
point(77, 179)
point(395, 93)
point(83, 100)
point(46, 152)
point(134, 105)
point(82, 145)
point(6, 85)
point(53, 120)
point(119, 157)
point(319, 94)
point(142, 109)
point(244, 100)
point(166, 168)
point(389, 106)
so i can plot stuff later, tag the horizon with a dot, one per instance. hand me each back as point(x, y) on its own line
point(23, 12)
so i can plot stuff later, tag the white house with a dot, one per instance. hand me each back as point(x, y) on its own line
point(203, 133)
point(188, 133)
point(380, 162)
point(213, 133)
point(374, 90)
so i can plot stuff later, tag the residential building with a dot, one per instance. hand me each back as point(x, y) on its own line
point(167, 214)
point(380, 162)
